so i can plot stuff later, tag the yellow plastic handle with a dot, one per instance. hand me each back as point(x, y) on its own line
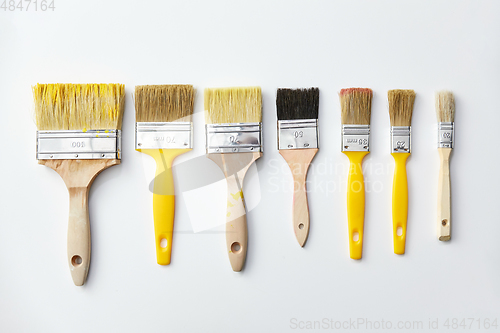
point(399, 202)
point(163, 201)
point(355, 203)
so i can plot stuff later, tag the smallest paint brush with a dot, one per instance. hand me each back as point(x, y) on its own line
point(445, 111)
point(298, 144)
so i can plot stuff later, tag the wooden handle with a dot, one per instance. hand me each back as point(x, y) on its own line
point(235, 167)
point(356, 203)
point(444, 196)
point(164, 201)
point(78, 234)
point(399, 202)
point(78, 176)
point(299, 160)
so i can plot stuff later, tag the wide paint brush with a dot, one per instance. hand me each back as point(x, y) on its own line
point(234, 142)
point(79, 135)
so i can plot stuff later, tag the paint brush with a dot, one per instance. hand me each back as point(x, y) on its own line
point(355, 113)
point(400, 112)
point(79, 135)
point(445, 110)
point(234, 141)
point(163, 130)
point(298, 141)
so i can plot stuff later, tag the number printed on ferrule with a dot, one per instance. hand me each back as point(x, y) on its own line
point(167, 139)
point(77, 144)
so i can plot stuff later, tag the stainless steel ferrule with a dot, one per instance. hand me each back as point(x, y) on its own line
point(163, 135)
point(78, 145)
point(234, 138)
point(446, 132)
point(401, 139)
point(355, 137)
point(298, 134)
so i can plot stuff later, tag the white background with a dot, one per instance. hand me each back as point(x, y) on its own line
point(421, 45)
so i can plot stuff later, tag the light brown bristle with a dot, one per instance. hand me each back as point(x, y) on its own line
point(164, 103)
point(356, 105)
point(78, 106)
point(401, 106)
point(445, 106)
point(233, 105)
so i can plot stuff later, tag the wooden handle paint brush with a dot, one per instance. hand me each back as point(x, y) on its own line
point(164, 131)
point(79, 135)
point(400, 112)
point(234, 142)
point(445, 110)
point(297, 111)
point(355, 113)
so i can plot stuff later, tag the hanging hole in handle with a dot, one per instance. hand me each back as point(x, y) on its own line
point(235, 247)
point(444, 222)
point(301, 226)
point(163, 243)
point(76, 261)
point(399, 231)
point(355, 236)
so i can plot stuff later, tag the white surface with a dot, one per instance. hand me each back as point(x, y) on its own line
point(423, 45)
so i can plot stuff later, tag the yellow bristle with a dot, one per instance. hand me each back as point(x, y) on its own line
point(78, 106)
point(233, 105)
point(401, 106)
point(164, 103)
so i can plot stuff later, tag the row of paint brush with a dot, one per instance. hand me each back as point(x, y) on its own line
point(79, 135)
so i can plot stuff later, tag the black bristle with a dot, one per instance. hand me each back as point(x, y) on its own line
point(297, 103)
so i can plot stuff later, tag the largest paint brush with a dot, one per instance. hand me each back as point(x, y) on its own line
point(234, 142)
point(78, 136)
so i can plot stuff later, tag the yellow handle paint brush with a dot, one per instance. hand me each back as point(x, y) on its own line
point(234, 142)
point(164, 131)
point(79, 135)
point(445, 110)
point(297, 111)
point(400, 112)
point(355, 113)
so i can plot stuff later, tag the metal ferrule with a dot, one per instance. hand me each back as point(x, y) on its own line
point(446, 132)
point(355, 137)
point(163, 135)
point(78, 145)
point(298, 134)
point(234, 138)
point(401, 139)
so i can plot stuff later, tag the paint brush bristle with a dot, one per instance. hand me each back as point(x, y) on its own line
point(445, 106)
point(164, 103)
point(356, 105)
point(401, 106)
point(233, 105)
point(78, 106)
point(297, 103)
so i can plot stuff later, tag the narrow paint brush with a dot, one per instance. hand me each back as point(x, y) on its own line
point(297, 111)
point(234, 142)
point(355, 113)
point(163, 130)
point(445, 110)
point(79, 135)
point(400, 112)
